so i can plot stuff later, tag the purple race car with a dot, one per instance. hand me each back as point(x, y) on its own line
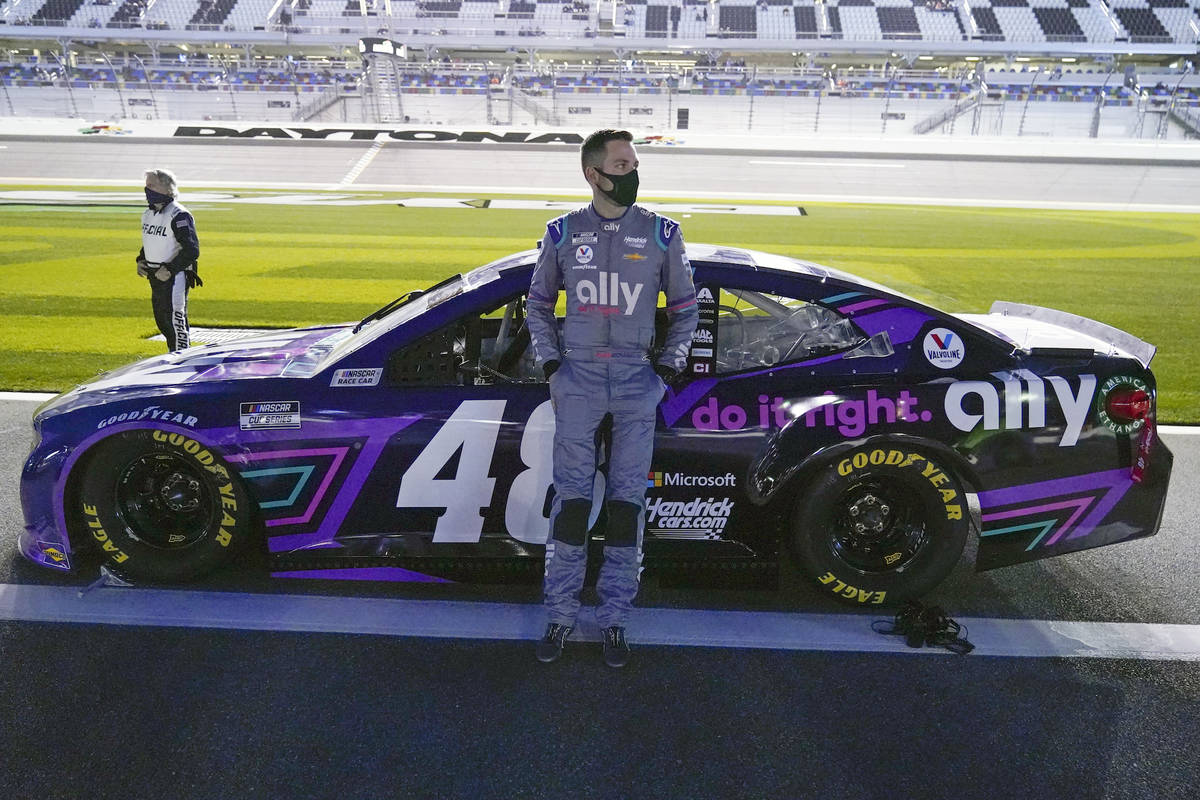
point(823, 419)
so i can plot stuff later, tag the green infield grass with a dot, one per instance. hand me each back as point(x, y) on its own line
point(71, 304)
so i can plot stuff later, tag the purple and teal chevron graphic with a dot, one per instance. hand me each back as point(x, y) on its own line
point(302, 474)
point(1065, 508)
point(901, 323)
point(320, 529)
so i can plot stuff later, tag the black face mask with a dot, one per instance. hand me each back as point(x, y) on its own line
point(153, 198)
point(625, 187)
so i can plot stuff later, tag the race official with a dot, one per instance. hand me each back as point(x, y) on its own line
point(612, 258)
point(168, 256)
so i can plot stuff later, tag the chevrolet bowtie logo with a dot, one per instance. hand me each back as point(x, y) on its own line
point(634, 257)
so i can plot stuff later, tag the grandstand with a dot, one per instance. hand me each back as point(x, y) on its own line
point(1091, 68)
point(1151, 26)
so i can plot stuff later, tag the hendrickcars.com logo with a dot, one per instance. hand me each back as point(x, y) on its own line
point(658, 479)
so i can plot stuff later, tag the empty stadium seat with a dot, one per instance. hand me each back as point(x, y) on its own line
point(1142, 24)
point(1059, 25)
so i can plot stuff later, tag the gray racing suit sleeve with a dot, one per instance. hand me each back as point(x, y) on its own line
point(543, 296)
point(682, 313)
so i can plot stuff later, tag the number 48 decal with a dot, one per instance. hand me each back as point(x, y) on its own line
point(473, 429)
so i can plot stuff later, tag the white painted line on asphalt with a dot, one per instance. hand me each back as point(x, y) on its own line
point(362, 164)
point(846, 164)
point(790, 197)
point(27, 397)
point(647, 626)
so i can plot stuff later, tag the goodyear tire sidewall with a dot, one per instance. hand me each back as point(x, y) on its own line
point(126, 552)
point(938, 496)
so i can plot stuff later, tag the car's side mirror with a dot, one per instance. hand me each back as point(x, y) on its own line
point(878, 346)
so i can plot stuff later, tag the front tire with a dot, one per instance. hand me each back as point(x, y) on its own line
point(881, 525)
point(161, 506)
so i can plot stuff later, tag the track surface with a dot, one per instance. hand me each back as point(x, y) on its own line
point(664, 172)
point(156, 712)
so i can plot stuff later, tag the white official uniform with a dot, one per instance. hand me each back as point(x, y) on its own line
point(166, 234)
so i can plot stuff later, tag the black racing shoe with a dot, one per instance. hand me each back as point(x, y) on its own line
point(616, 650)
point(551, 645)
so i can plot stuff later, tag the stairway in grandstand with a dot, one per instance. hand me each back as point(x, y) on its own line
point(947, 116)
point(383, 89)
point(541, 115)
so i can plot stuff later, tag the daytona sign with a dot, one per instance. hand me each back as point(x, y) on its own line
point(370, 134)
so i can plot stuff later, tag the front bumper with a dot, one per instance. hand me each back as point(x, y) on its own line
point(43, 540)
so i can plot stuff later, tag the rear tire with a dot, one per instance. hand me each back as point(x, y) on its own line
point(881, 525)
point(161, 506)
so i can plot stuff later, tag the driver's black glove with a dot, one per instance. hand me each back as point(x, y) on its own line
point(550, 367)
point(667, 374)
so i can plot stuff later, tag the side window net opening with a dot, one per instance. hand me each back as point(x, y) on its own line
point(476, 349)
point(757, 329)
point(506, 351)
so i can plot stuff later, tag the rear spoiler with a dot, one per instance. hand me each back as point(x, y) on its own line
point(1116, 339)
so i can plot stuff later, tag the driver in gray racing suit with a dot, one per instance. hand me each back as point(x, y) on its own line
point(611, 258)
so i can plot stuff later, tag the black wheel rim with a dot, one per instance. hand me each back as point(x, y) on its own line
point(165, 501)
point(878, 526)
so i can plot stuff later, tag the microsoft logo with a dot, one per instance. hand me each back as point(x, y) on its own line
point(658, 479)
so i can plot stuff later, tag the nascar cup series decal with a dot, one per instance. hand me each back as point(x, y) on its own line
point(357, 377)
point(278, 415)
point(943, 348)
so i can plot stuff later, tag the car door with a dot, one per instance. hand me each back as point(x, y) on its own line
point(760, 357)
point(468, 470)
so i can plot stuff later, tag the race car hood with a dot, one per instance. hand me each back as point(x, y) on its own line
point(1028, 327)
point(292, 353)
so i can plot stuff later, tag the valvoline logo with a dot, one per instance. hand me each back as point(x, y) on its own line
point(943, 348)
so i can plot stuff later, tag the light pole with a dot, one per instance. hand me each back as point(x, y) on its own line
point(149, 83)
point(116, 81)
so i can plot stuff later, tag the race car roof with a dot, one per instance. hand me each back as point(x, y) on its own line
point(723, 254)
